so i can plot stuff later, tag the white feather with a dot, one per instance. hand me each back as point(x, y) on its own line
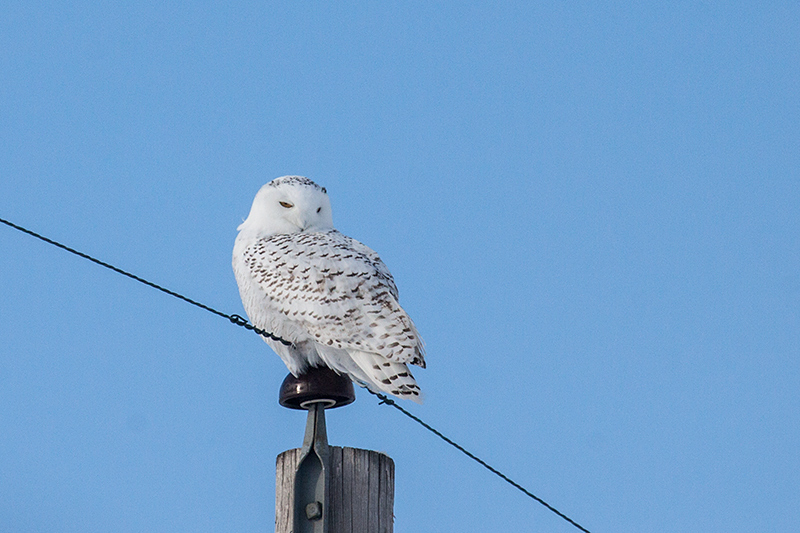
point(328, 294)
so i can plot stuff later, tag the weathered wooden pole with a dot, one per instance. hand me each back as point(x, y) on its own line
point(329, 489)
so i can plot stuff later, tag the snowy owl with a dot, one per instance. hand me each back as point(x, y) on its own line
point(328, 295)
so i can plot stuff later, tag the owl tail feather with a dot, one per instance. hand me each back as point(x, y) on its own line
point(387, 376)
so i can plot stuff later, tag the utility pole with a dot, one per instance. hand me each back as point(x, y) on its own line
point(329, 489)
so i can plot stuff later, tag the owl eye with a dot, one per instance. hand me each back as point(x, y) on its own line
point(287, 205)
point(319, 209)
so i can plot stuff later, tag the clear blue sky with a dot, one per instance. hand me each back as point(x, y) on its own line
point(592, 214)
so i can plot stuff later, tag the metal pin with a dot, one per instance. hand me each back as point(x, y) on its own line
point(311, 480)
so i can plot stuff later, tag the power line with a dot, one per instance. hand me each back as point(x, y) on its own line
point(236, 319)
point(239, 321)
point(388, 401)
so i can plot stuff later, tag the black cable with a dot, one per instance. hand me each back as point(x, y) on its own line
point(239, 321)
point(236, 319)
point(388, 401)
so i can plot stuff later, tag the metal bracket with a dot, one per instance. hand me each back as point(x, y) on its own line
point(313, 471)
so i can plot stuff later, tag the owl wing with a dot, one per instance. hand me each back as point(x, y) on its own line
point(337, 290)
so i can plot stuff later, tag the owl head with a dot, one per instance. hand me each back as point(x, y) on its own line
point(289, 204)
